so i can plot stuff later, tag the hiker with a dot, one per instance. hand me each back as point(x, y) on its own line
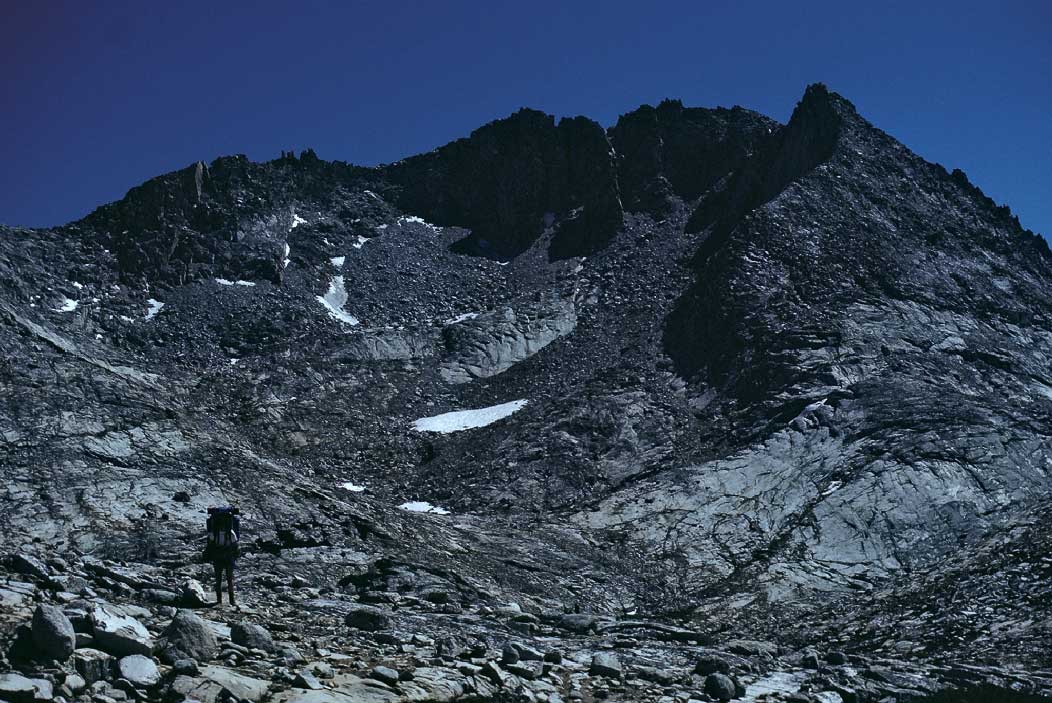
point(224, 532)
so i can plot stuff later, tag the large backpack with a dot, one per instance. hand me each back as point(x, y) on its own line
point(224, 532)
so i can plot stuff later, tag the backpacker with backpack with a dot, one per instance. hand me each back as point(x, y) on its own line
point(224, 532)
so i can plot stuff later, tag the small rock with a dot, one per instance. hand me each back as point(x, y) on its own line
point(509, 655)
point(75, 683)
point(553, 656)
point(605, 664)
point(139, 670)
point(323, 670)
point(810, 660)
point(186, 667)
point(494, 673)
point(53, 633)
point(837, 658)
point(720, 686)
point(93, 664)
point(386, 674)
point(193, 594)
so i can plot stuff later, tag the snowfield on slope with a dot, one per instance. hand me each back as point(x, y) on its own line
point(468, 419)
point(422, 506)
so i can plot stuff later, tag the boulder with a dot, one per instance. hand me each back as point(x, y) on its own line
point(577, 623)
point(188, 637)
point(386, 674)
point(720, 686)
point(605, 664)
point(118, 633)
point(93, 665)
point(29, 565)
point(252, 636)
point(753, 648)
point(366, 617)
point(837, 658)
point(53, 633)
point(306, 679)
point(711, 664)
point(193, 594)
point(75, 683)
point(139, 670)
point(239, 686)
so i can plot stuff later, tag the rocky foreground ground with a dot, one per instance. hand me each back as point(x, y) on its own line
point(88, 630)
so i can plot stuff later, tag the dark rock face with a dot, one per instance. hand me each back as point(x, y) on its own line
point(513, 178)
point(790, 400)
point(671, 151)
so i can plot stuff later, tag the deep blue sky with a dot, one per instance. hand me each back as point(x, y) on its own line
point(96, 97)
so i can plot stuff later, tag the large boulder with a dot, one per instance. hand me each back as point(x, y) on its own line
point(139, 670)
point(188, 637)
point(118, 633)
point(366, 617)
point(720, 686)
point(16, 688)
point(252, 636)
point(53, 633)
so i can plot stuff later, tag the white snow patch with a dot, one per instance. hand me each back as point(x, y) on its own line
point(468, 419)
point(352, 487)
point(337, 261)
point(832, 488)
point(125, 318)
point(422, 506)
point(288, 250)
point(461, 318)
point(380, 227)
point(155, 307)
point(78, 286)
point(372, 194)
point(225, 282)
point(405, 219)
point(297, 221)
point(334, 300)
point(361, 240)
point(68, 305)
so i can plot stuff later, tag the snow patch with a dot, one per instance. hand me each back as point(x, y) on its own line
point(155, 307)
point(337, 261)
point(225, 282)
point(78, 286)
point(352, 487)
point(297, 221)
point(832, 488)
point(361, 240)
point(422, 506)
point(461, 318)
point(468, 419)
point(405, 219)
point(334, 300)
point(68, 305)
point(372, 194)
point(285, 262)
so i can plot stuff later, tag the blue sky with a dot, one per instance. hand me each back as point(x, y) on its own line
point(99, 96)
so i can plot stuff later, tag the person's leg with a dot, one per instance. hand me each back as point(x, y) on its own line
point(230, 581)
point(218, 566)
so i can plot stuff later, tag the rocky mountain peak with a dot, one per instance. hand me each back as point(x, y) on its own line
point(696, 406)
